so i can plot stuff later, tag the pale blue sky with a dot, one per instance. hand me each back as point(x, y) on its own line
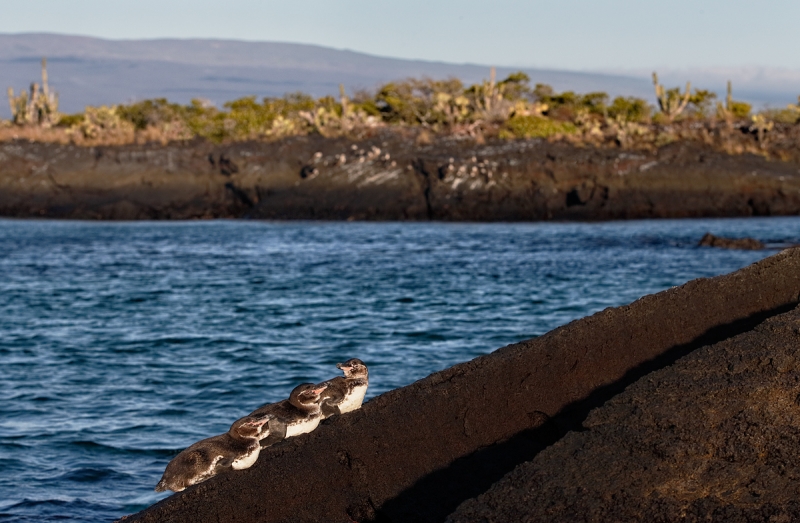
point(563, 34)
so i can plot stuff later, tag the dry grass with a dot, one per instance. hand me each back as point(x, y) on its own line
point(781, 142)
point(34, 134)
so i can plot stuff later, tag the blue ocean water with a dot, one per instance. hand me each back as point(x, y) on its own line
point(123, 343)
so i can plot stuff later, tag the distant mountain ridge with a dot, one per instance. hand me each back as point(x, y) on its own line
point(93, 71)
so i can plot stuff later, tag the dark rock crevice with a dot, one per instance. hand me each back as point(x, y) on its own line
point(421, 169)
point(239, 194)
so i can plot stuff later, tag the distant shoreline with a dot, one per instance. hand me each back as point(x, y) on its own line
point(391, 176)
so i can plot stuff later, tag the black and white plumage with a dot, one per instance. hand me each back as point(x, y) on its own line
point(297, 415)
point(345, 393)
point(237, 449)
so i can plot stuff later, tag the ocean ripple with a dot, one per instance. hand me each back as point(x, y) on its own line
point(123, 343)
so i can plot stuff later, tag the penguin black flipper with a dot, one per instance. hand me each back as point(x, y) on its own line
point(329, 410)
point(335, 391)
point(277, 432)
point(224, 463)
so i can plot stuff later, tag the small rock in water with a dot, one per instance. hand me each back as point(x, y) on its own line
point(750, 244)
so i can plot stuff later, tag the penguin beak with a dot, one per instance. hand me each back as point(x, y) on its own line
point(260, 421)
point(320, 389)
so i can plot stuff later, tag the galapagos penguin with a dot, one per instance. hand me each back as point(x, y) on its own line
point(237, 449)
point(344, 394)
point(297, 415)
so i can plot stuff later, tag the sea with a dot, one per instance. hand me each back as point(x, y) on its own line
point(122, 343)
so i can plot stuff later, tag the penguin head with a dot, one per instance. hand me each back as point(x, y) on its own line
point(250, 427)
point(307, 393)
point(162, 485)
point(353, 368)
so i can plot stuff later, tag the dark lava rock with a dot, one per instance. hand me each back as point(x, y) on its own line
point(714, 437)
point(415, 453)
point(748, 244)
point(389, 177)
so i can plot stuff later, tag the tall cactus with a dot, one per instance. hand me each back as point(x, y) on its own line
point(489, 101)
point(671, 101)
point(37, 107)
point(732, 109)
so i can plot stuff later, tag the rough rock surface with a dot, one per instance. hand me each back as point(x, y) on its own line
point(388, 177)
point(714, 437)
point(749, 244)
point(416, 453)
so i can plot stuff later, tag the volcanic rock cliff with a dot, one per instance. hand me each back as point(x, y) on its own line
point(390, 177)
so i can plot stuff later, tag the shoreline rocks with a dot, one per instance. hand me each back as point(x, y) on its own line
point(714, 437)
point(747, 244)
point(389, 177)
point(416, 453)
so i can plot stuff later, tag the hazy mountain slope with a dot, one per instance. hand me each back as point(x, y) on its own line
point(93, 71)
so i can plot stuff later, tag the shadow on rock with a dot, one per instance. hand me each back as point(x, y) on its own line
point(435, 496)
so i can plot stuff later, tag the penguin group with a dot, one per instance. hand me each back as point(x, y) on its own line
point(301, 412)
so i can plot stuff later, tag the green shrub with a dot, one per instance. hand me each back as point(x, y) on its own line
point(70, 120)
point(151, 113)
point(104, 121)
point(425, 101)
point(569, 102)
point(630, 109)
point(247, 118)
point(740, 109)
point(701, 101)
point(530, 126)
point(790, 115)
point(515, 86)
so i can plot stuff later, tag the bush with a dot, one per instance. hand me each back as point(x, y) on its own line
point(630, 109)
point(425, 101)
point(535, 127)
point(515, 86)
point(740, 109)
point(701, 100)
point(70, 120)
point(569, 102)
point(789, 115)
point(104, 122)
point(151, 113)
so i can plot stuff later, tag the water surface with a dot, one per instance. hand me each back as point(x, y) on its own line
point(123, 343)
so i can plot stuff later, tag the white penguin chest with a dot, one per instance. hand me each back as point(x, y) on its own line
point(246, 461)
point(301, 427)
point(353, 400)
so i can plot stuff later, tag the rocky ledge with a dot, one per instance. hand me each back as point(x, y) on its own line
point(390, 177)
point(418, 452)
point(715, 437)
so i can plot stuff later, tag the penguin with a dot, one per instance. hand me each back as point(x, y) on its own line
point(237, 449)
point(297, 415)
point(344, 394)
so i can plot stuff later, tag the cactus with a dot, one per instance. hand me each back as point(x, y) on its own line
point(732, 109)
point(761, 126)
point(103, 122)
point(671, 101)
point(344, 100)
point(39, 107)
point(489, 100)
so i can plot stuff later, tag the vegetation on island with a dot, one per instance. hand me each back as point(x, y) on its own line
point(507, 109)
